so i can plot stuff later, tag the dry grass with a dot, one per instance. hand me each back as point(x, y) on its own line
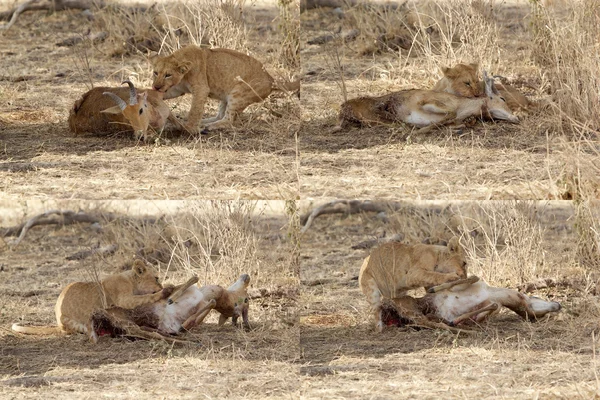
point(216, 240)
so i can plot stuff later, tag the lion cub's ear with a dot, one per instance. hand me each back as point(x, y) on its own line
point(475, 66)
point(450, 73)
point(454, 245)
point(184, 66)
point(139, 267)
point(152, 57)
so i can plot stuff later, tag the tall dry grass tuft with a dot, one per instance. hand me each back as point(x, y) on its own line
point(216, 241)
point(587, 224)
point(455, 31)
point(289, 27)
point(567, 50)
point(166, 27)
point(506, 246)
point(439, 32)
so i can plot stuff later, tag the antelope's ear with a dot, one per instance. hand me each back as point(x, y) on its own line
point(112, 110)
point(246, 279)
point(139, 267)
point(454, 245)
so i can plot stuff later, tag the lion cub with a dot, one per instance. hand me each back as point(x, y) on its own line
point(78, 301)
point(394, 268)
point(237, 80)
point(462, 80)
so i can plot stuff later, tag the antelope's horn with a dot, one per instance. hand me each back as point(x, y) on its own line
point(120, 102)
point(132, 92)
point(489, 84)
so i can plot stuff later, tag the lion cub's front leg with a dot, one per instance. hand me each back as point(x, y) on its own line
point(200, 95)
point(132, 301)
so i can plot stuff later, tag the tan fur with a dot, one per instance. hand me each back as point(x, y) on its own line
point(233, 78)
point(461, 80)
point(89, 113)
point(394, 268)
point(79, 300)
point(515, 100)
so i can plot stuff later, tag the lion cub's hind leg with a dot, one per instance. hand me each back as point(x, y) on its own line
point(374, 298)
point(219, 116)
point(239, 98)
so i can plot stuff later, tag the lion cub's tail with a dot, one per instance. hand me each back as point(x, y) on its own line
point(36, 330)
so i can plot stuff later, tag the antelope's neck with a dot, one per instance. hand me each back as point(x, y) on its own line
point(471, 106)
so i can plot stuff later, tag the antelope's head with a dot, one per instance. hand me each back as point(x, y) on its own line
point(136, 112)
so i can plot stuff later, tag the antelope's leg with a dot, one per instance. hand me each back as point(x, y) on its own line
point(444, 286)
point(427, 323)
point(199, 315)
point(489, 308)
point(182, 288)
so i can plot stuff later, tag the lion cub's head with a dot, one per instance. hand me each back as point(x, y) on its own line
point(462, 80)
point(453, 259)
point(168, 72)
point(145, 278)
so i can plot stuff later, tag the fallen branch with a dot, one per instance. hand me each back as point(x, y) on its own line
point(103, 251)
point(65, 217)
point(52, 5)
point(543, 283)
point(69, 217)
point(16, 13)
point(280, 292)
point(367, 244)
point(348, 207)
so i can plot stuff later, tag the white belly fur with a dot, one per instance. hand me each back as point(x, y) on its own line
point(175, 314)
point(450, 305)
point(420, 118)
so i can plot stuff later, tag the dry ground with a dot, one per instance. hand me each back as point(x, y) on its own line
point(40, 81)
point(488, 161)
point(223, 363)
point(344, 358)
